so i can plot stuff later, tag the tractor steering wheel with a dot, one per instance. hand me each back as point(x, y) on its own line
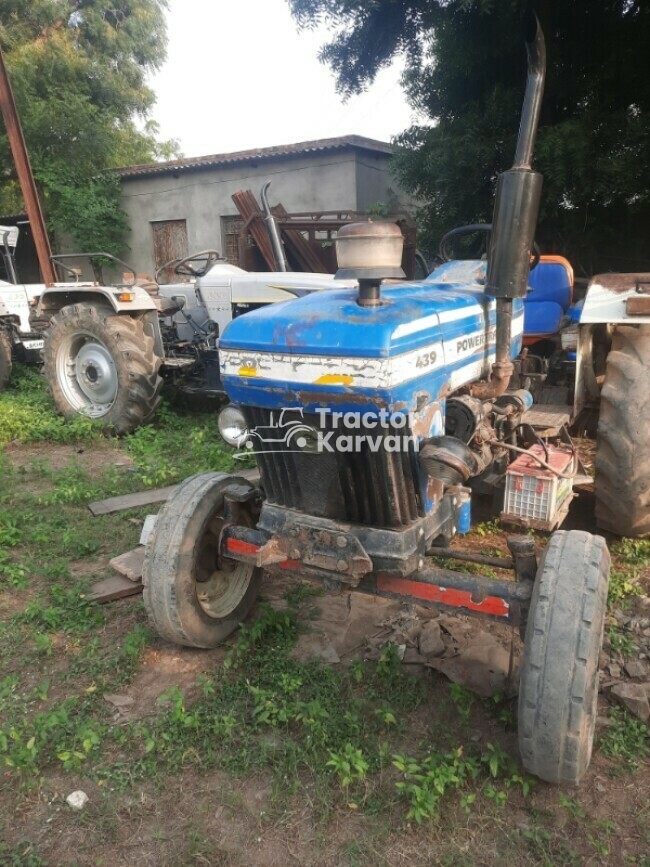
point(185, 268)
point(447, 256)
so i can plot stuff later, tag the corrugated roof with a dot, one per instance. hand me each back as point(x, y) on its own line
point(279, 151)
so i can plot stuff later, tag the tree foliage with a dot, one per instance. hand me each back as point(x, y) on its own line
point(78, 70)
point(465, 71)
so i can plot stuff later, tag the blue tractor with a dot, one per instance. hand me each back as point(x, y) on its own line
point(374, 415)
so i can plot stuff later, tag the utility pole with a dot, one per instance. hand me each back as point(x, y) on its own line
point(25, 176)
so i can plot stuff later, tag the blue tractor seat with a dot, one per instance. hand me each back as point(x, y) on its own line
point(548, 299)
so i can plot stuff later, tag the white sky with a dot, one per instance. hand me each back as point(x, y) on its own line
point(239, 75)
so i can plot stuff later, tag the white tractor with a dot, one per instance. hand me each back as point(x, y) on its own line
point(107, 350)
point(18, 337)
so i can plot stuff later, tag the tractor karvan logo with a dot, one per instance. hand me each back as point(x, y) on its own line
point(334, 432)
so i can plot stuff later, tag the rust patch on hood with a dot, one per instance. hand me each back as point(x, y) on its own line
point(422, 423)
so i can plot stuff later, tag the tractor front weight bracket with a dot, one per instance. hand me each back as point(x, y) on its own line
point(500, 599)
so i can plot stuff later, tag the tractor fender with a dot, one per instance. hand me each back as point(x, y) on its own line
point(14, 305)
point(617, 299)
point(611, 300)
point(56, 297)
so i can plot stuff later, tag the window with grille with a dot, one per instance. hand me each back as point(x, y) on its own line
point(230, 230)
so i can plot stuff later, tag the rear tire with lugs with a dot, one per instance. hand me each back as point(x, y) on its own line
point(102, 365)
point(558, 691)
point(193, 598)
point(5, 357)
point(622, 483)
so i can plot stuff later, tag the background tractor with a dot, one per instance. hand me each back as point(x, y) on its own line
point(412, 397)
point(18, 337)
point(107, 350)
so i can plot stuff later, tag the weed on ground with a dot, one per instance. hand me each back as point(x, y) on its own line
point(249, 755)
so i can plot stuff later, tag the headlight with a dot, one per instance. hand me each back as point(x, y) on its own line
point(232, 426)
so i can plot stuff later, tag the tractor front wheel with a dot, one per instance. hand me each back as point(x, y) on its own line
point(192, 596)
point(5, 357)
point(558, 690)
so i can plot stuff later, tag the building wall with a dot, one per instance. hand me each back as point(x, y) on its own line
point(377, 184)
point(300, 183)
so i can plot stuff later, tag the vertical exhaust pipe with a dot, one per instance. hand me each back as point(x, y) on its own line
point(274, 232)
point(516, 208)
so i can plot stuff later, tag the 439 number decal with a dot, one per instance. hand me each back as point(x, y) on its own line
point(427, 359)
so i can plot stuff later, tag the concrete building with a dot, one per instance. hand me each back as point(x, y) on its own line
point(175, 208)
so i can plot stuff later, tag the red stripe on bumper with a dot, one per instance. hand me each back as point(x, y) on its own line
point(239, 547)
point(444, 595)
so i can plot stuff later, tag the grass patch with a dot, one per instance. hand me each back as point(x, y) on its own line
point(27, 413)
point(366, 740)
point(626, 739)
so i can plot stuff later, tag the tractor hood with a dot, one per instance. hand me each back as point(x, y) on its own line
point(431, 337)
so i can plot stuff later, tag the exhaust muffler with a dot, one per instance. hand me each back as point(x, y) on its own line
point(516, 209)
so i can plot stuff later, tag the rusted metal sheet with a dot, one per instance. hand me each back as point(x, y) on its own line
point(253, 217)
point(308, 236)
point(26, 177)
point(298, 245)
point(319, 230)
point(169, 243)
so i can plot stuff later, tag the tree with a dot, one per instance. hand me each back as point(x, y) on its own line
point(78, 70)
point(465, 69)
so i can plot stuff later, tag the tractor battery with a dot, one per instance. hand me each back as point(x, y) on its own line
point(534, 496)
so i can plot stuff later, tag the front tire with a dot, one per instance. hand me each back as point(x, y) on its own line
point(102, 365)
point(5, 358)
point(622, 483)
point(558, 691)
point(190, 597)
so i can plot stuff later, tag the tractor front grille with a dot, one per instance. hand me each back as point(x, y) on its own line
point(373, 488)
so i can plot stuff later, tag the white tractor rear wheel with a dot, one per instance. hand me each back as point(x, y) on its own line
point(622, 483)
point(102, 365)
point(5, 357)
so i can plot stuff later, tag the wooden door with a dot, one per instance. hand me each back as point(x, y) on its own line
point(169, 242)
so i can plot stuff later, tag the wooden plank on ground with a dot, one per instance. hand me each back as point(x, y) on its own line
point(115, 587)
point(148, 498)
point(130, 501)
point(130, 564)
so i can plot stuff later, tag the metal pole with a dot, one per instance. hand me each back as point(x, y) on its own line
point(25, 176)
point(10, 266)
point(274, 232)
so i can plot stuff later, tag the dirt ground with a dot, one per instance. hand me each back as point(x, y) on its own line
point(208, 816)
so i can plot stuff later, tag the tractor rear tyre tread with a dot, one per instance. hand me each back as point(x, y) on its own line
point(622, 483)
point(133, 352)
point(558, 692)
point(170, 586)
point(5, 358)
